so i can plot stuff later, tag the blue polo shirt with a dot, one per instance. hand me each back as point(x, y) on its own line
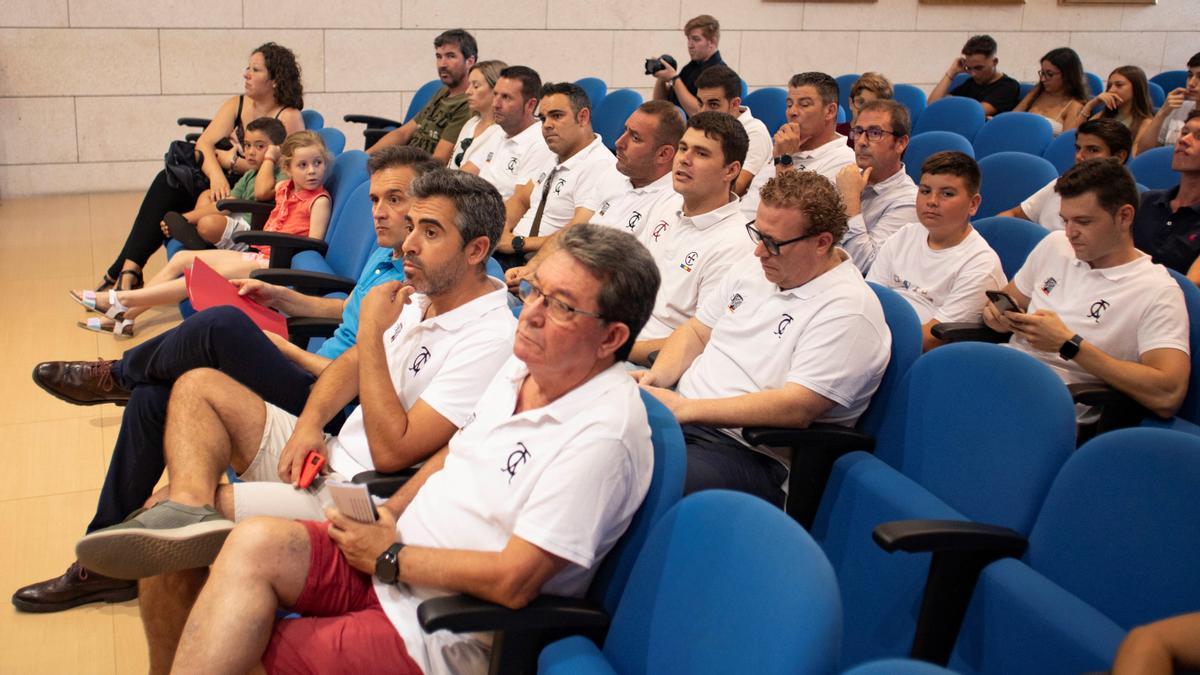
point(380, 268)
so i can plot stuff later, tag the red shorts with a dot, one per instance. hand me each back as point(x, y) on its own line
point(342, 628)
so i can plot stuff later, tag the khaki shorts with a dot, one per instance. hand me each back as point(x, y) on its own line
point(262, 493)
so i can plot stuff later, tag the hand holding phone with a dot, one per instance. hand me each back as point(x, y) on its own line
point(1003, 302)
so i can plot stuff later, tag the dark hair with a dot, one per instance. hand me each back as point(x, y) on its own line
point(1110, 181)
point(1192, 115)
point(1068, 63)
point(670, 125)
point(811, 194)
point(720, 77)
point(531, 82)
point(1114, 134)
point(955, 164)
point(457, 36)
point(1194, 62)
point(980, 44)
point(901, 119)
point(826, 86)
point(576, 96)
point(1140, 109)
point(726, 129)
point(283, 69)
point(709, 27)
point(270, 126)
point(479, 210)
point(628, 275)
point(395, 156)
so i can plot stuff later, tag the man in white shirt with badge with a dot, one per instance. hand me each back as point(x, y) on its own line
point(880, 198)
point(697, 236)
point(522, 149)
point(528, 497)
point(789, 339)
point(809, 141)
point(1092, 306)
point(543, 206)
point(941, 265)
point(719, 89)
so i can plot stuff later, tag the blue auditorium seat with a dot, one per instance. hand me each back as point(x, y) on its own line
point(1013, 132)
point(595, 87)
point(1009, 178)
point(769, 106)
point(608, 116)
point(963, 116)
point(911, 97)
point(1152, 168)
point(1011, 238)
point(922, 145)
point(1061, 151)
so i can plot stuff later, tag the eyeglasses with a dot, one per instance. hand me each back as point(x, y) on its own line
point(770, 244)
point(557, 309)
point(873, 134)
point(1047, 74)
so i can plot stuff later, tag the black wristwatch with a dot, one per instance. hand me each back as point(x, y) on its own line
point(387, 565)
point(1070, 348)
point(785, 160)
point(518, 244)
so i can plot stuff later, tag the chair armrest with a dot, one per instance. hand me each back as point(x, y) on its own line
point(304, 328)
point(1098, 393)
point(201, 122)
point(372, 121)
point(383, 484)
point(1117, 410)
point(372, 136)
point(246, 206)
point(283, 246)
point(309, 283)
point(468, 614)
point(961, 331)
point(832, 436)
point(931, 536)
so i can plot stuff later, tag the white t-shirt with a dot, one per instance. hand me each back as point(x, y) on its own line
point(625, 207)
point(758, 154)
point(1044, 207)
point(1173, 125)
point(887, 206)
point(826, 160)
point(514, 158)
point(436, 360)
point(566, 478)
point(693, 255)
point(828, 335)
point(944, 285)
point(469, 145)
point(570, 184)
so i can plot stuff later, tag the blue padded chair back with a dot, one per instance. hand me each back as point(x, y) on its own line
point(1061, 151)
point(769, 106)
point(727, 583)
point(957, 81)
point(911, 97)
point(348, 172)
point(1014, 132)
point(1152, 168)
point(353, 239)
point(494, 270)
point(1026, 87)
point(1190, 410)
point(1011, 238)
point(842, 115)
point(1171, 79)
point(608, 117)
point(1095, 83)
point(666, 487)
point(1157, 95)
point(963, 116)
point(898, 667)
point(335, 140)
point(595, 88)
point(844, 82)
point(902, 321)
point(421, 97)
point(922, 145)
point(1009, 178)
point(313, 120)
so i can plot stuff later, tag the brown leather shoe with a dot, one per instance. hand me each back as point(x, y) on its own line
point(77, 586)
point(80, 382)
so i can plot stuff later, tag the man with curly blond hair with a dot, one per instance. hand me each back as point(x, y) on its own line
point(789, 339)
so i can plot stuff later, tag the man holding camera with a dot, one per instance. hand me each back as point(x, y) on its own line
point(679, 86)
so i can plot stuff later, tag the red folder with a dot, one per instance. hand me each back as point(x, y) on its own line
point(207, 289)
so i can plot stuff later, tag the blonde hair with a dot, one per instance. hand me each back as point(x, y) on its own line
point(490, 70)
point(872, 82)
point(302, 139)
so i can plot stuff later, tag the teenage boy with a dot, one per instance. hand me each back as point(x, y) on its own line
point(994, 90)
point(1180, 102)
point(720, 90)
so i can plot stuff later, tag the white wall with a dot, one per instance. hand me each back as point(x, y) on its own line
point(90, 89)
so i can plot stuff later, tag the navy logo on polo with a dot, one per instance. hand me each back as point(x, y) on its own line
point(396, 331)
point(1048, 285)
point(512, 164)
point(660, 228)
point(735, 302)
point(689, 261)
point(562, 182)
point(516, 458)
point(783, 324)
point(419, 362)
point(633, 220)
point(1097, 309)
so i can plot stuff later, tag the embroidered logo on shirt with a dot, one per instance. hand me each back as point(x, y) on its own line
point(419, 362)
point(908, 285)
point(783, 324)
point(1097, 309)
point(659, 229)
point(689, 260)
point(633, 221)
point(559, 186)
point(396, 332)
point(512, 165)
point(1048, 285)
point(604, 208)
point(735, 302)
point(489, 157)
point(515, 459)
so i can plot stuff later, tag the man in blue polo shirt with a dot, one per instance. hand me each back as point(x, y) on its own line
point(226, 339)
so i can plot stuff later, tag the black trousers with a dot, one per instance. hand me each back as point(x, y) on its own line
point(716, 461)
point(145, 237)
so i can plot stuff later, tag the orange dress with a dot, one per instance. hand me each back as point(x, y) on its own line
point(291, 215)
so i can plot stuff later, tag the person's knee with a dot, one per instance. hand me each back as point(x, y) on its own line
point(223, 320)
point(262, 540)
point(211, 227)
point(199, 383)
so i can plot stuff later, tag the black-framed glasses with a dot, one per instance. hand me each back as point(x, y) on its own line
point(873, 134)
point(770, 244)
point(557, 309)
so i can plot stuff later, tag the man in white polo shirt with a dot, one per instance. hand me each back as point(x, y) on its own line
point(522, 149)
point(941, 265)
point(697, 236)
point(541, 207)
point(809, 141)
point(1092, 306)
point(719, 89)
point(528, 497)
point(880, 198)
point(792, 338)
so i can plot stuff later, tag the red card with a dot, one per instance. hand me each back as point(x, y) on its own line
point(207, 289)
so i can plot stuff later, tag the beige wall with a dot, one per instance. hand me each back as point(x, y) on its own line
point(90, 89)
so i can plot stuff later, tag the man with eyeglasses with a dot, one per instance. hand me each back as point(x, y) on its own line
point(879, 196)
point(789, 339)
point(994, 90)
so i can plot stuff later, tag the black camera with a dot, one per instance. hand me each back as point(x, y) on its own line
point(653, 65)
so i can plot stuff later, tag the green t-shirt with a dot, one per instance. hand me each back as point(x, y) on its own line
point(441, 119)
point(244, 188)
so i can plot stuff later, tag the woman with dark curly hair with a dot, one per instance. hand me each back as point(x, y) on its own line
point(272, 88)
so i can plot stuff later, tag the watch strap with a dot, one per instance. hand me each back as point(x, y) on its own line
point(1070, 348)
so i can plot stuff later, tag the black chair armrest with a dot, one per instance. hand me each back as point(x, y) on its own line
point(961, 549)
point(1098, 393)
point(283, 246)
point(383, 484)
point(372, 136)
point(192, 137)
point(1117, 410)
point(833, 436)
point(309, 283)
point(201, 122)
point(301, 329)
point(956, 331)
point(372, 121)
point(245, 206)
point(468, 614)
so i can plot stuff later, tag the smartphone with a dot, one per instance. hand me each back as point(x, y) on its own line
point(1003, 303)
point(354, 500)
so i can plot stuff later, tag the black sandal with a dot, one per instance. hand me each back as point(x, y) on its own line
point(106, 283)
point(185, 233)
point(138, 281)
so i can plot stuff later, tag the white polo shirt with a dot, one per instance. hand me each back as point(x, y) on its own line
point(570, 183)
point(1125, 311)
point(828, 335)
point(513, 159)
point(473, 147)
point(693, 255)
point(887, 206)
point(1044, 207)
point(826, 160)
point(620, 205)
point(437, 360)
point(758, 154)
point(944, 285)
point(566, 478)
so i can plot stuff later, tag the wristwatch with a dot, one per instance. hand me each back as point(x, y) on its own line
point(785, 160)
point(1070, 348)
point(518, 243)
point(387, 565)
